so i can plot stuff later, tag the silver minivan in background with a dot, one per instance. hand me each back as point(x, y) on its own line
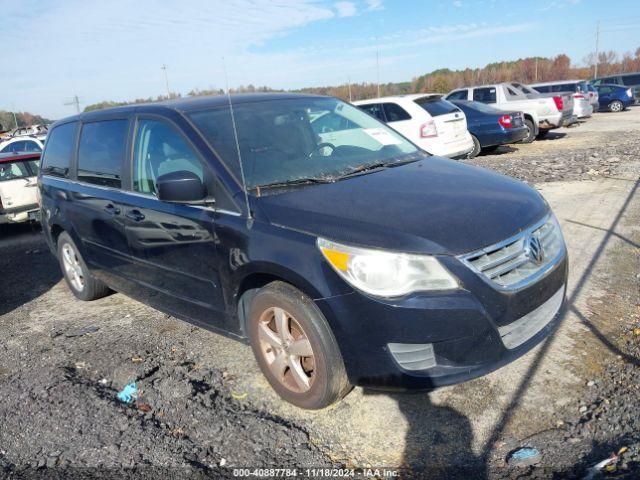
point(582, 106)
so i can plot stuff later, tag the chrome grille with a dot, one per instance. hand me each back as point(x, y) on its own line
point(521, 259)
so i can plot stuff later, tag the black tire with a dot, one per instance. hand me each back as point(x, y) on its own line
point(476, 147)
point(542, 133)
point(91, 288)
point(328, 378)
point(616, 106)
point(531, 135)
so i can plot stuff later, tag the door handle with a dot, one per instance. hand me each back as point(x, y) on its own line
point(135, 215)
point(111, 209)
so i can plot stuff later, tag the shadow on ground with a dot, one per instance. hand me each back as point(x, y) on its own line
point(25, 256)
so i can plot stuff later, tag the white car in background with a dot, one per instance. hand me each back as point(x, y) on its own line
point(18, 187)
point(434, 124)
point(22, 144)
point(582, 106)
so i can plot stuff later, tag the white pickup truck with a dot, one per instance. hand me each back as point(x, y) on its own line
point(18, 187)
point(540, 114)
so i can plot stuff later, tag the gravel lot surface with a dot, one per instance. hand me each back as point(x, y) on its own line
point(203, 407)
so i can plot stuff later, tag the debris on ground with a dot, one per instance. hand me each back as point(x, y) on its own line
point(79, 332)
point(524, 457)
point(128, 393)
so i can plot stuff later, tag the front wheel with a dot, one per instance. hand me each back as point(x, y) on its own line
point(616, 106)
point(76, 273)
point(295, 347)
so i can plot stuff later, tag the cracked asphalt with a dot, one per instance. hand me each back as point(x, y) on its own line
point(203, 408)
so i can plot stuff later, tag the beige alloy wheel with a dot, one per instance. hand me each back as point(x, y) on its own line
point(72, 267)
point(286, 350)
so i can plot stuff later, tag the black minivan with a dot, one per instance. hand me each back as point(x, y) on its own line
point(339, 250)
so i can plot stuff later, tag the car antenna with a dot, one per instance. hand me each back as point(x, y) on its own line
point(235, 134)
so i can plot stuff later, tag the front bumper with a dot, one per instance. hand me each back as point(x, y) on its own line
point(466, 329)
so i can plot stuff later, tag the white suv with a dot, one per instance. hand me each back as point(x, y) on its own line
point(429, 121)
point(22, 144)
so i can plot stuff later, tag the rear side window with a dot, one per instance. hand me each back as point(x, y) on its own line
point(395, 113)
point(101, 152)
point(543, 88)
point(374, 109)
point(484, 95)
point(60, 145)
point(458, 95)
point(631, 80)
point(435, 106)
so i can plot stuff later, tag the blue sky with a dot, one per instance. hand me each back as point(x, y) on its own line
point(113, 50)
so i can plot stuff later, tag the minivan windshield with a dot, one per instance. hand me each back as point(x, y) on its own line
point(312, 139)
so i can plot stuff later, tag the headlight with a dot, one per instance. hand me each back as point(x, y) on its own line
point(386, 274)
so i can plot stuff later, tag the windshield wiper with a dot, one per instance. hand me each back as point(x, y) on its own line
point(296, 181)
point(370, 168)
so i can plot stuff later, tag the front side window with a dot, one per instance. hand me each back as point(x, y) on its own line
point(458, 95)
point(59, 149)
point(484, 95)
point(17, 170)
point(395, 113)
point(159, 149)
point(101, 152)
point(278, 143)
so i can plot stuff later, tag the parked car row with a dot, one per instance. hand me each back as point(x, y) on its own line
point(24, 139)
point(469, 120)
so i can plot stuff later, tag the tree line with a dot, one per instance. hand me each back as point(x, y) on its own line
point(525, 70)
point(8, 122)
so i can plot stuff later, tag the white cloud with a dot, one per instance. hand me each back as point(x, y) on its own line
point(373, 5)
point(346, 9)
point(457, 3)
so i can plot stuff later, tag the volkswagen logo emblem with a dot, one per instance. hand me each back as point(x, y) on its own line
point(535, 250)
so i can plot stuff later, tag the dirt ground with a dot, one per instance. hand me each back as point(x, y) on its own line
point(204, 408)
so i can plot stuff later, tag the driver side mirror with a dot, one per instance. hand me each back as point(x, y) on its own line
point(181, 186)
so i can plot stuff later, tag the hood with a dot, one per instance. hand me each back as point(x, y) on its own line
point(435, 206)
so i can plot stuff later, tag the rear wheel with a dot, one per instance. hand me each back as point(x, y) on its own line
point(531, 132)
point(78, 277)
point(295, 348)
point(616, 106)
point(476, 147)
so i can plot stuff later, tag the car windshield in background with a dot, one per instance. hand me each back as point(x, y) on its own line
point(16, 170)
point(293, 140)
point(436, 106)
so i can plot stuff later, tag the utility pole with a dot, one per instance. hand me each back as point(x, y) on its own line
point(13, 110)
point(536, 74)
point(74, 101)
point(595, 74)
point(166, 79)
point(378, 66)
point(349, 84)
